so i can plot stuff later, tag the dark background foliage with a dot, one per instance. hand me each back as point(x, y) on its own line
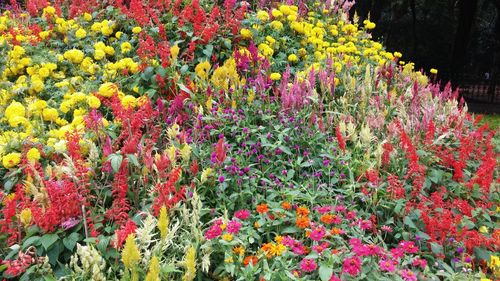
point(460, 38)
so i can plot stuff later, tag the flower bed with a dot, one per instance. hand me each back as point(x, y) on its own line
point(166, 140)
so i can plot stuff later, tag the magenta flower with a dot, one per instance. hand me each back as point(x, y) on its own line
point(352, 266)
point(408, 247)
point(242, 214)
point(408, 275)
point(233, 227)
point(386, 265)
point(308, 265)
point(317, 233)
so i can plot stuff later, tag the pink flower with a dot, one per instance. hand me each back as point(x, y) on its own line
point(335, 278)
point(233, 227)
point(242, 214)
point(308, 265)
point(408, 275)
point(387, 228)
point(419, 262)
point(365, 224)
point(386, 265)
point(352, 266)
point(408, 247)
point(214, 231)
point(317, 233)
point(324, 209)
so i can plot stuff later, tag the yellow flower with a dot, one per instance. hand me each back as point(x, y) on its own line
point(494, 262)
point(434, 71)
point(87, 17)
point(11, 160)
point(130, 253)
point(202, 69)
point(50, 114)
point(129, 101)
point(275, 76)
point(227, 237)
point(246, 33)
point(108, 89)
point(483, 229)
point(25, 216)
point(136, 29)
point(239, 250)
point(93, 102)
point(190, 264)
point(13, 112)
point(277, 25)
point(174, 52)
point(163, 222)
point(33, 155)
point(125, 47)
point(99, 54)
point(75, 56)
point(398, 54)
point(205, 174)
point(276, 13)
point(293, 58)
point(368, 24)
point(80, 33)
point(263, 15)
point(154, 270)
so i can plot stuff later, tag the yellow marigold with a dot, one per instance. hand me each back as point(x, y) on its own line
point(130, 253)
point(275, 76)
point(75, 56)
point(108, 89)
point(368, 24)
point(136, 29)
point(99, 54)
point(434, 71)
point(87, 17)
point(93, 102)
point(129, 101)
point(276, 13)
point(163, 222)
point(33, 154)
point(15, 109)
point(154, 270)
point(125, 47)
point(80, 33)
point(263, 15)
point(25, 216)
point(246, 33)
point(293, 58)
point(50, 114)
point(11, 160)
point(277, 25)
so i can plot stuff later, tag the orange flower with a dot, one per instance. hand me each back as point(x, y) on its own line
point(286, 206)
point(302, 211)
point(262, 208)
point(335, 231)
point(302, 222)
point(256, 224)
point(250, 259)
point(327, 218)
point(239, 250)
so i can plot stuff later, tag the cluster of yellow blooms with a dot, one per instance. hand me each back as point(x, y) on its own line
point(46, 94)
point(310, 40)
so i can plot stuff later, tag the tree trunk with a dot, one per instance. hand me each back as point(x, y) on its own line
point(467, 12)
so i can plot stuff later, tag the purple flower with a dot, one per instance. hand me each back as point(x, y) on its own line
point(70, 223)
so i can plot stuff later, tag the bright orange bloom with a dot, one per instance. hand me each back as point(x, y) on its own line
point(239, 250)
point(262, 208)
point(335, 231)
point(286, 206)
point(327, 218)
point(302, 222)
point(250, 259)
point(302, 211)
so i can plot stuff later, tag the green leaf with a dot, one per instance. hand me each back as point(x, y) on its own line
point(436, 248)
point(325, 272)
point(70, 241)
point(482, 254)
point(33, 240)
point(48, 240)
point(116, 161)
point(133, 159)
point(184, 88)
point(409, 222)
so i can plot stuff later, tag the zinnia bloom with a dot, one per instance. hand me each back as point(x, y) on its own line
point(262, 208)
point(308, 265)
point(352, 266)
point(242, 214)
point(408, 275)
